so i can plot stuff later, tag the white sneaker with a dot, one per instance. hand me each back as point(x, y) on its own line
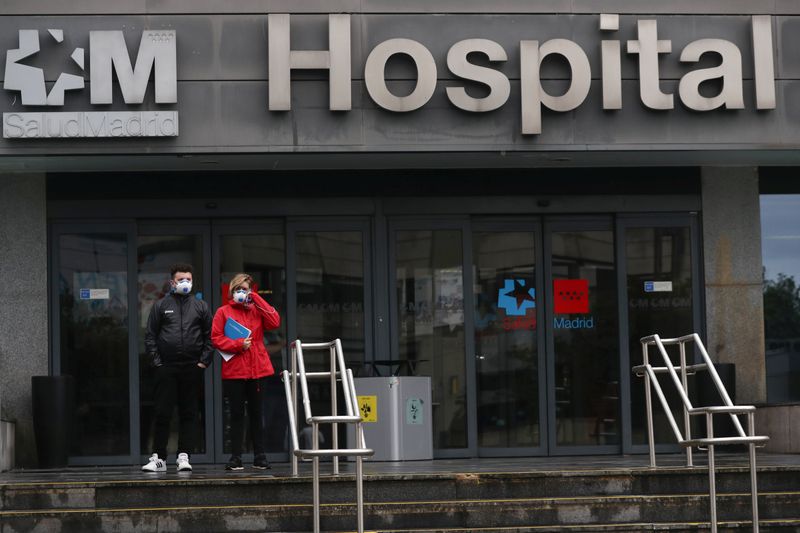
point(155, 464)
point(183, 462)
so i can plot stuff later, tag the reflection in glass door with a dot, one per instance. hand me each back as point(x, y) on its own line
point(330, 293)
point(507, 338)
point(158, 248)
point(91, 280)
point(660, 266)
point(584, 340)
point(258, 250)
point(430, 331)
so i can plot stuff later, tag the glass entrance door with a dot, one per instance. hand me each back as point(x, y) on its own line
point(660, 295)
point(158, 246)
point(509, 342)
point(583, 337)
point(330, 297)
point(93, 338)
point(432, 327)
point(546, 337)
point(257, 248)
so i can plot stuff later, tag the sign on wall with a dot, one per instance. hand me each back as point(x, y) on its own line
point(470, 60)
point(108, 55)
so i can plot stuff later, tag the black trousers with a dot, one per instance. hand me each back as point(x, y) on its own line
point(253, 391)
point(181, 386)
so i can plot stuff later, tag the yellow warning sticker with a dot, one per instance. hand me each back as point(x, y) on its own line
point(368, 405)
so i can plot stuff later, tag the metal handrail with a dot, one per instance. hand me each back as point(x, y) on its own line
point(338, 373)
point(749, 438)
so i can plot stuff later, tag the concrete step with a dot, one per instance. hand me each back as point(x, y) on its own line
point(766, 526)
point(778, 509)
point(170, 490)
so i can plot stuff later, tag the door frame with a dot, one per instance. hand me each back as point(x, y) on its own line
point(552, 225)
point(433, 223)
point(322, 224)
point(201, 227)
point(118, 227)
point(657, 220)
point(219, 229)
point(295, 225)
point(511, 225)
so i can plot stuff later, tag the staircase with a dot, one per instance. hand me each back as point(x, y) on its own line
point(611, 499)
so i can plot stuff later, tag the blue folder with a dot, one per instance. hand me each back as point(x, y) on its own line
point(234, 330)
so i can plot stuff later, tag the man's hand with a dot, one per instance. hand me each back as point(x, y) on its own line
point(201, 365)
point(247, 343)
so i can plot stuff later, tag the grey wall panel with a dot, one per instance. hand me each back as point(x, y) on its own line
point(787, 39)
point(232, 117)
point(222, 70)
point(439, 32)
point(104, 7)
point(634, 124)
point(234, 47)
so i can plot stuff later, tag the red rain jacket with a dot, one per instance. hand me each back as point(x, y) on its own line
point(257, 317)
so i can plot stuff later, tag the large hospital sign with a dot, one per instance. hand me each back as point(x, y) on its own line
point(157, 56)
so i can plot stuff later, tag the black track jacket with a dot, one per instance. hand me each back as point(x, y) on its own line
point(179, 331)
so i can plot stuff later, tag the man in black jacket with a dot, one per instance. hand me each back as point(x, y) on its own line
point(178, 342)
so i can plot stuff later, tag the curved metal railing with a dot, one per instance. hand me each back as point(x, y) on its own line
point(338, 373)
point(650, 372)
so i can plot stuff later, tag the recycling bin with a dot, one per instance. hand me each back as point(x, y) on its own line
point(397, 417)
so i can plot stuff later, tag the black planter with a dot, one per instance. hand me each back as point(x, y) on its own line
point(53, 405)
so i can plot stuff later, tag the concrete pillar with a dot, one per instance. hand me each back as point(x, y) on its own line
point(23, 301)
point(732, 257)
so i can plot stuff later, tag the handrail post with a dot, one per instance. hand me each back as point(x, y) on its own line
point(315, 475)
point(710, 441)
point(347, 385)
point(687, 426)
point(345, 375)
point(295, 459)
point(712, 488)
point(334, 426)
point(649, 403)
point(753, 486)
point(360, 480)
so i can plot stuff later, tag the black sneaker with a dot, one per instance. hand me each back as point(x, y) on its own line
point(235, 463)
point(261, 462)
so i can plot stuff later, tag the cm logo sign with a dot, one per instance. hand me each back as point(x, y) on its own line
point(108, 54)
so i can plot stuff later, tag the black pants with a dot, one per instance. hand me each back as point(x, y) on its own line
point(181, 386)
point(254, 392)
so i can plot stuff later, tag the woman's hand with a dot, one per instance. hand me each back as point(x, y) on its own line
point(247, 343)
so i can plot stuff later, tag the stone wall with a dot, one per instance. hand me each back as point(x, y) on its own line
point(24, 327)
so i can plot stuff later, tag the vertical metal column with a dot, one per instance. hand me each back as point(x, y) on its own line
point(315, 475)
point(753, 486)
point(360, 443)
point(344, 375)
point(295, 459)
point(649, 407)
point(687, 425)
point(712, 483)
point(360, 480)
point(334, 426)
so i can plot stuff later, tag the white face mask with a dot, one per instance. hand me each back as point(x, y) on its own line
point(241, 296)
point(183, 286)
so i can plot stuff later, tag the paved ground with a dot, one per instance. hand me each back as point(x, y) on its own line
point(410, 468)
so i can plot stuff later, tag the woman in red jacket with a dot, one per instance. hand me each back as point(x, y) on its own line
point(243, 375)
